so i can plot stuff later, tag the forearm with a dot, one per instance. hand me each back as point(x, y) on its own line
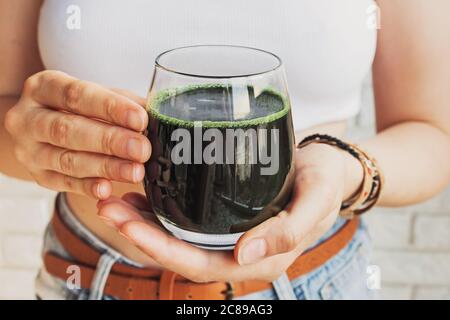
point(415, 160)
point(8, 162)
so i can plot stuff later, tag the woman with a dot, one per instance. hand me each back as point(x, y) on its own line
point(76, 128)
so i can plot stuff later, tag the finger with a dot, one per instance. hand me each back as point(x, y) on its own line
point(112, 199)
point(81, 134)
point(119, 211)
point(284, 232)
point(81, 164)
point(59, 90)
point(137, 200)
point(130, 95)
point(92, 187)
point(190, 262)
point(101, 203)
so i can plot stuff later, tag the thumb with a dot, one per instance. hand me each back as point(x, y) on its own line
point(285, 231)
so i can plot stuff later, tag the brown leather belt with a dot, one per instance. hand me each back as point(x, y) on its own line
point(132, 283)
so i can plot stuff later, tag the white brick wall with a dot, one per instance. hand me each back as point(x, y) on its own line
point(24, 212)
point(439, 239)
point(412, 245)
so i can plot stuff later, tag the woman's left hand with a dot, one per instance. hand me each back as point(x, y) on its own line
point(267, 250)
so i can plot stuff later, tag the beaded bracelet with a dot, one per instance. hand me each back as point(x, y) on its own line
point(369, 191)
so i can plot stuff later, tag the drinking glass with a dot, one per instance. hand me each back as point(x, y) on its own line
point(222, 142)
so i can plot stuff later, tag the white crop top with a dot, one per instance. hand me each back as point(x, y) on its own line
point(327, 46)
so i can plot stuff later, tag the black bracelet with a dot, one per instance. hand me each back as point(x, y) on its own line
point(339, 143)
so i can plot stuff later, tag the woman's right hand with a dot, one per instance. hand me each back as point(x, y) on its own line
point(78, 136)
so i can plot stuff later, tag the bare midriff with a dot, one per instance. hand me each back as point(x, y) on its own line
point(85, 209)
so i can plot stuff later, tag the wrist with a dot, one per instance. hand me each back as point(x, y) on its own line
point(339, 163)
point(367, 180)
point(353, 174)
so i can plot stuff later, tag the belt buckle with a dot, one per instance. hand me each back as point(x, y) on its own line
point(229, 291)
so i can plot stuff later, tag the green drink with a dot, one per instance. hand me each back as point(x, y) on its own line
point(231, 173)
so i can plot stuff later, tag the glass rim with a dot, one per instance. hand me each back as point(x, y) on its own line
point(279, 63)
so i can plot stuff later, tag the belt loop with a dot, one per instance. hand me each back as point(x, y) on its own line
point(283, 288)
point(167, 285)
point(104, 265)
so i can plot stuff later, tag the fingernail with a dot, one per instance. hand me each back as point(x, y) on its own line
point(138, 173)
point(134, 148)
point(134, 120)
point(102, 191)
point(108, 221)
point(253, 251)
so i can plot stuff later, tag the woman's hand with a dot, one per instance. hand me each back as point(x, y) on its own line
point(77, 136)
point(325, 176)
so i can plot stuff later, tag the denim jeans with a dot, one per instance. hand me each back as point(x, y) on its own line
point(341, 277)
